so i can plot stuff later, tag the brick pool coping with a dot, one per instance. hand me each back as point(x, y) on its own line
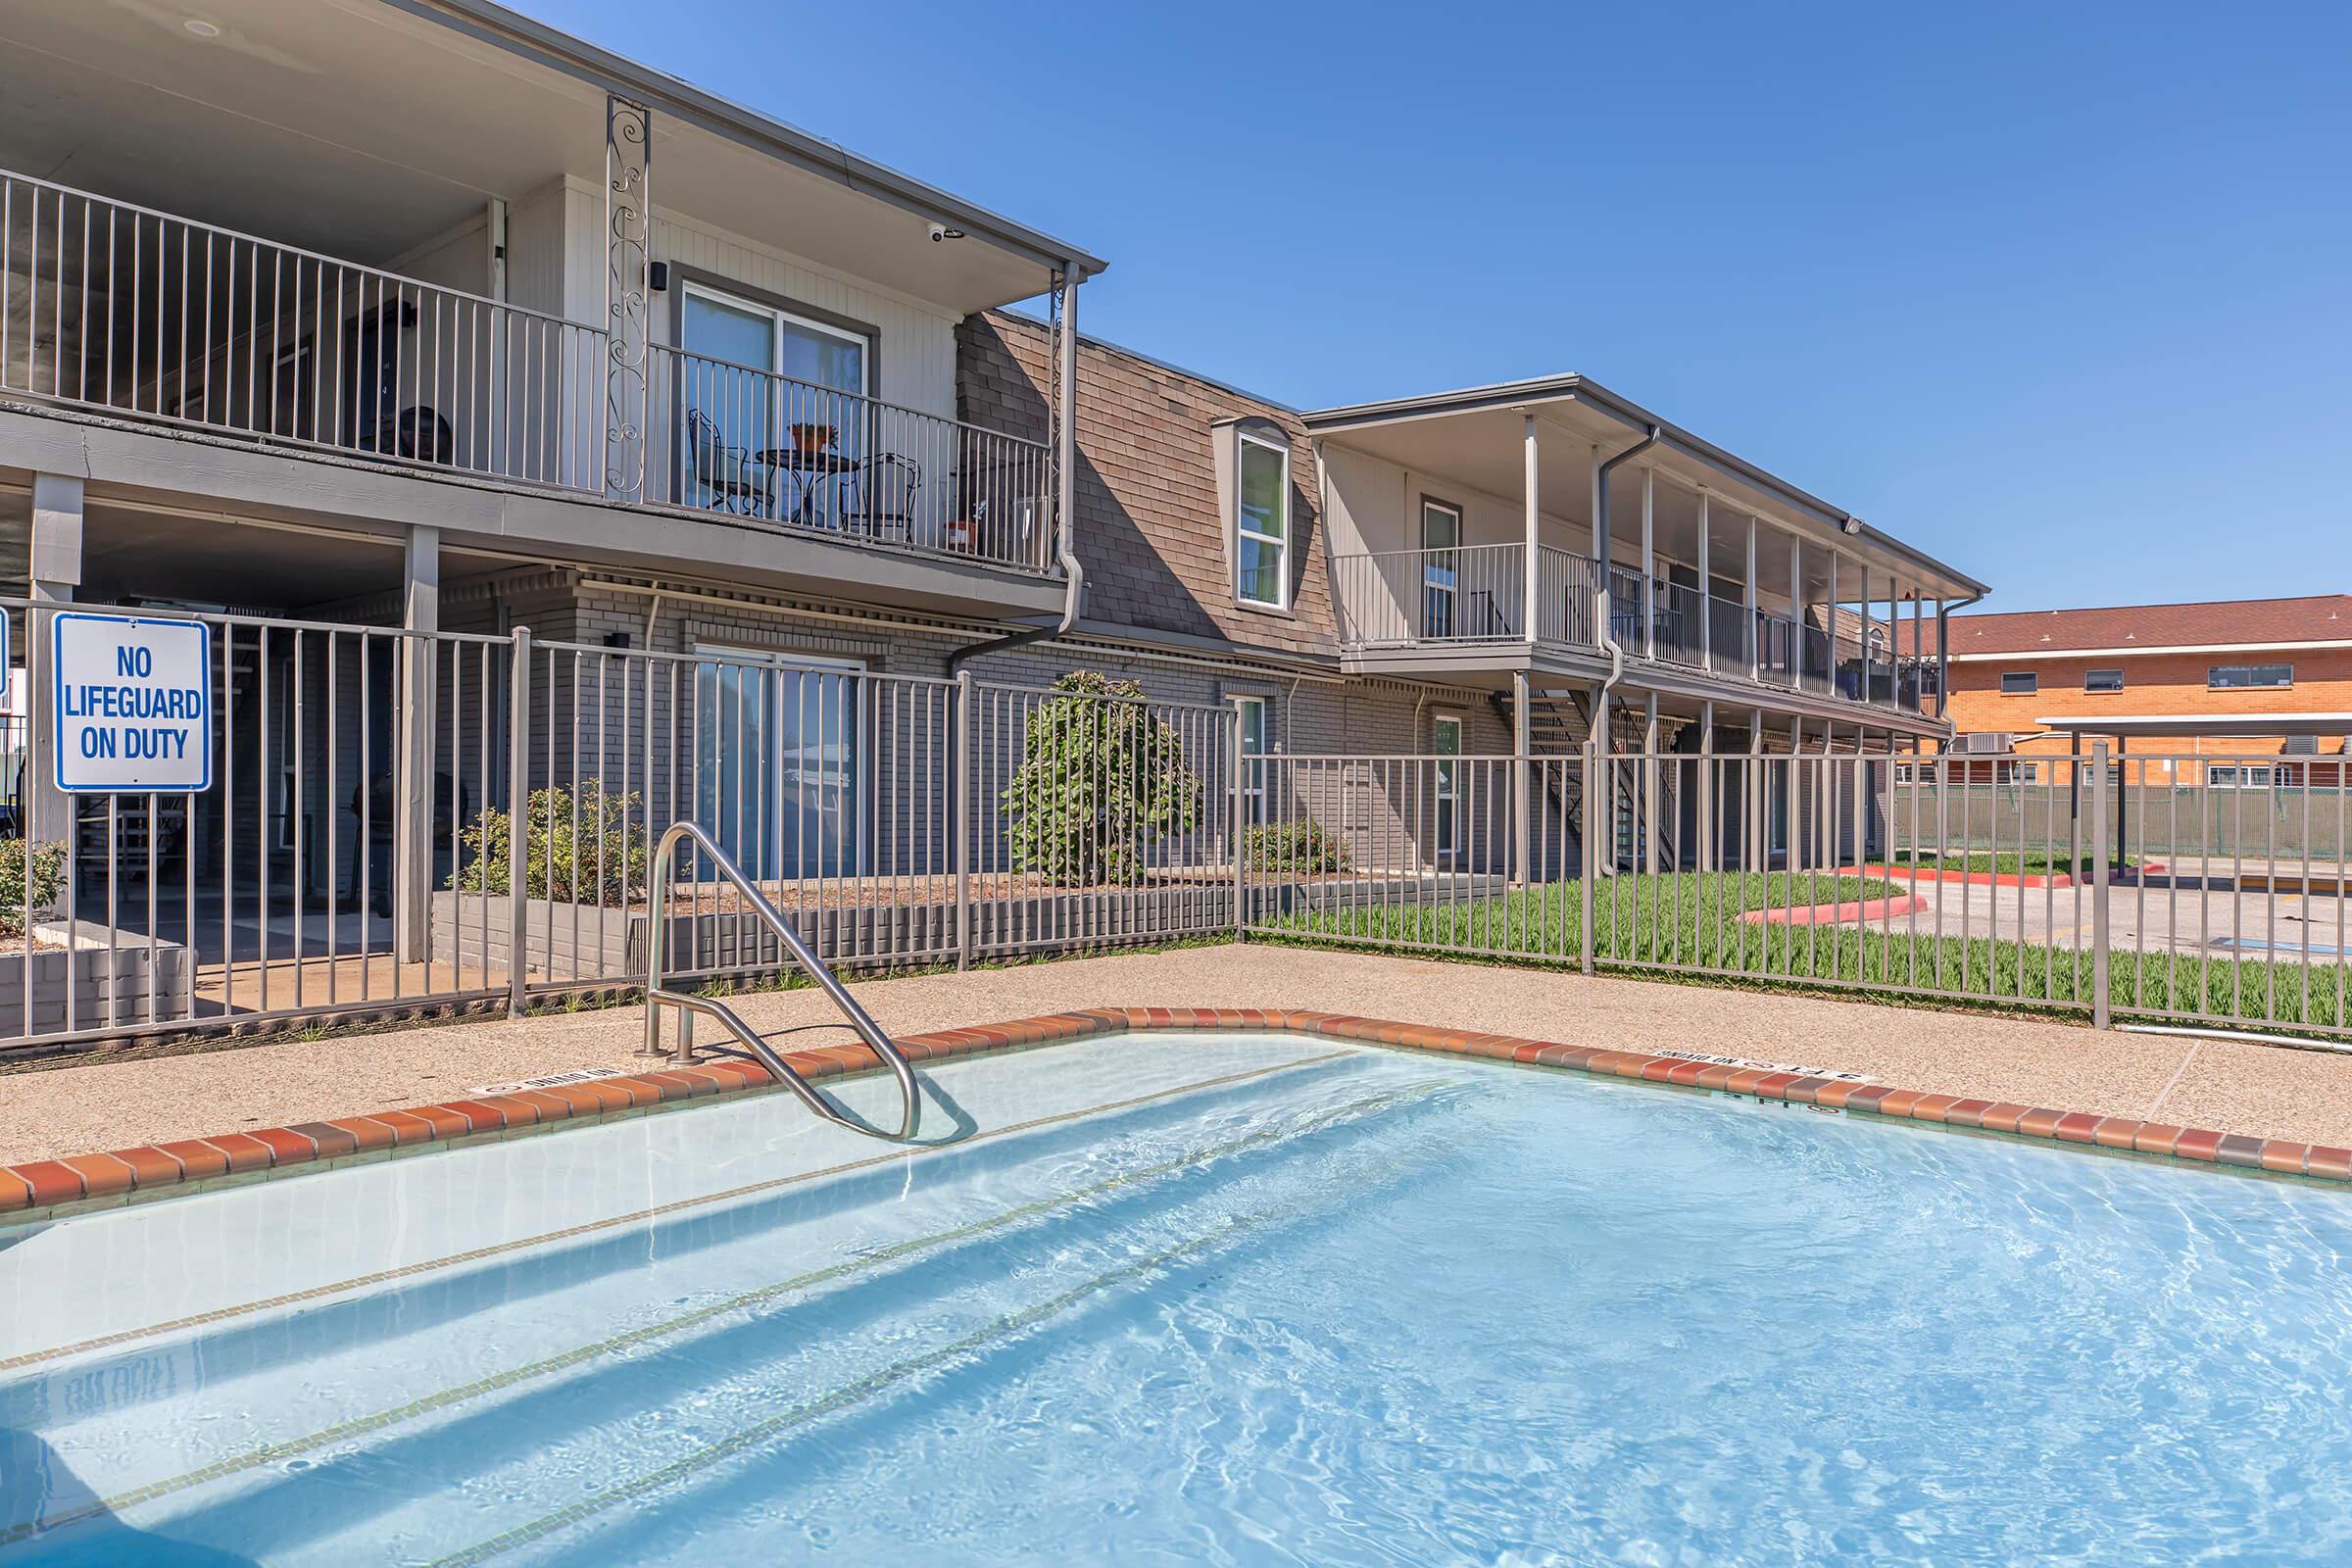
point(38, 1188)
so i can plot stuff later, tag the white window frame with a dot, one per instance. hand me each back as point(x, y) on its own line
point(777, 316)
point(2241, 777)
point(1447, 790)
point(1254, 774)
point(1282, 545)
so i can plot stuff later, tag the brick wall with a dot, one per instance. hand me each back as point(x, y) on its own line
point(2161, 683)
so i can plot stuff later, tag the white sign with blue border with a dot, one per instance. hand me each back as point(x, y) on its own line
point(133, 706)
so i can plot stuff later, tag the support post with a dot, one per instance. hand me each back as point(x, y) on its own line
point(1531, 489)
point(2101, 1016)
point(1591, 794)
point(413, 813)
point(1649, 560)
point(1703, 791)
point(628, 284)
point(1241, 837)
point(959, 807)
point(1523, 793)
point(1755, 643)
point(518, 797)
point(1706, 591)
point(54, 569)
point(1601, 597)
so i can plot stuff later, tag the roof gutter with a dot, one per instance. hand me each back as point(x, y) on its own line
point(1601, 569)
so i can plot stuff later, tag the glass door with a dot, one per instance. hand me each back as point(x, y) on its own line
point(727, 402)
point(776, 763)
point(828, 424)
point(1440, 569)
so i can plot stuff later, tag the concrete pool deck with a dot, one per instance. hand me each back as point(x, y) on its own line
point(2259, 1090)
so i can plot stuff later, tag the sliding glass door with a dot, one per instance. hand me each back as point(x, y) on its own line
point(776, 763)
point(775, 405)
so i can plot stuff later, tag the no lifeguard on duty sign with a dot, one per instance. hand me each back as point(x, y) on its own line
point(133, 707)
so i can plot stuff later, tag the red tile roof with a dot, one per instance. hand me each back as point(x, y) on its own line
point(2216, 623)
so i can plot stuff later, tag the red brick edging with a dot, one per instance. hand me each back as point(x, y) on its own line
point(54, 1183)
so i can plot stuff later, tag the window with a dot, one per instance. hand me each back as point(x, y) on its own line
point(776, 749)
point(2019, 684)
point(1441, 568)
point(2241, 677)
point(2102, 680)
point(2025, 772)
point(1262, 525)
point(1446, 739)
point(1251, 715)
point(2240, 776)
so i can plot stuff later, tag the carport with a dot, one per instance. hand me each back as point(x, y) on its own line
point(2124, 728)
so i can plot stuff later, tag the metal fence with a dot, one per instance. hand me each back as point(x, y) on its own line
point(1882, 873)
point(400, 820)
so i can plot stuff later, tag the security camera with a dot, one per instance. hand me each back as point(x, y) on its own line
point(940, 231)
point(1854, 526)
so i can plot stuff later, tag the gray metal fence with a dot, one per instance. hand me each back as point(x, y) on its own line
point(399, 820)
point(1881, 873)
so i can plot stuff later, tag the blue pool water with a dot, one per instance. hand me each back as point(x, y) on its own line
point(1226, 1299)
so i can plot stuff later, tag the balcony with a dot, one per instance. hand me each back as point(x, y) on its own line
point(142, 316)
point(1455, 600)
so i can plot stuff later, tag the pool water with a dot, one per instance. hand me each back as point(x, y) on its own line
point(1196, 1298)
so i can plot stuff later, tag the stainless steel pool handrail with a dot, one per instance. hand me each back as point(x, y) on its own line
point(656, 995)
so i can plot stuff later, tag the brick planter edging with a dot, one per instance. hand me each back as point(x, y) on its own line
point(86, 1179)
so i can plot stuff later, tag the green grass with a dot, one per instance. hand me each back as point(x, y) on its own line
point(2008, 863)
point(1637, 922)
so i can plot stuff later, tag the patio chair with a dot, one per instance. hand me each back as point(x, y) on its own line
point(887, 484)
point(736, 483)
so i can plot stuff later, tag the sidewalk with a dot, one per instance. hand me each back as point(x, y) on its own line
point(2301, 1095)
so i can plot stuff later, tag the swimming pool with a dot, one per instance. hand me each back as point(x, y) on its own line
point(1227, 1298)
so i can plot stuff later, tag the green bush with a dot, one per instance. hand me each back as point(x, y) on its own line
point(46, 863)
point(589, 848)
point(1302, 849)
point(1099, 775)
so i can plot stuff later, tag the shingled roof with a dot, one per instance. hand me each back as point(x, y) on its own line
point(2216, 624)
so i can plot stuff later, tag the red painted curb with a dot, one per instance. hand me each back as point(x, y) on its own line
point(1929, 873)
point(1838, 913)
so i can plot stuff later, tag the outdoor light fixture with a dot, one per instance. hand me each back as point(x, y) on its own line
point(1854, 526)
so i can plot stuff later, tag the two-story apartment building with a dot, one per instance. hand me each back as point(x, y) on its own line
point(380, 329)
point(2225, 693)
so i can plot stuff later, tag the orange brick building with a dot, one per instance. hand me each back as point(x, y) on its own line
point(2025, 684)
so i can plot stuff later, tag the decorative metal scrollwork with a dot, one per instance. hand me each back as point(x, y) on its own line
point(628, 255)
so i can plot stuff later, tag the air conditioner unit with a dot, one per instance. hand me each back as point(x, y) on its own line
point(2300, 746)
point(1989, 742)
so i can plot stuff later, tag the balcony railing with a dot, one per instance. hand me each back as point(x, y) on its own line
point(731, 438)
point(1469, 594)
point(144, 315)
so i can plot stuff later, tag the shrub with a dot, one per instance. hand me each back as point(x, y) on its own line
point(1100, 774)
point(46, 863)
point(1301, 848)
point(565, 855)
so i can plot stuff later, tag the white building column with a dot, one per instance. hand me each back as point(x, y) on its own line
point(1650, 563)
point(1531, 489)
point(54, 567)
point(417, 756)
point(1706, 591)
point(1523, 795)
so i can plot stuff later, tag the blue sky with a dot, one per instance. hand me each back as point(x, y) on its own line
point(2056, 292)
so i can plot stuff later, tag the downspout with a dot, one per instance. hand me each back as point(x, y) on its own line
point(1600, 512)
point(1943, 655)
point(1064, 350)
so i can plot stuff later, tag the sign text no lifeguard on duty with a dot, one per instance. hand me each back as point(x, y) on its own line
point(132, 709)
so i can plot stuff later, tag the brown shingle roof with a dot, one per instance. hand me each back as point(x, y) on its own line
point(2216, 623)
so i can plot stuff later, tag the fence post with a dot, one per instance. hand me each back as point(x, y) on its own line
point(2100, 1006)
point(1591, 794)
point(960, 810)
point(1233, 734)
point(518, 811)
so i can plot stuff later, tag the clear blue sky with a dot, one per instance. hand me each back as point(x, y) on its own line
point(2057, 292)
